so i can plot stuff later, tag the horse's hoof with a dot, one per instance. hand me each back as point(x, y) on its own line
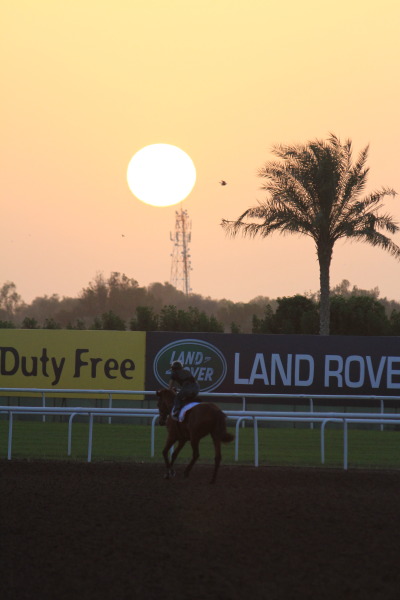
point(169, 474)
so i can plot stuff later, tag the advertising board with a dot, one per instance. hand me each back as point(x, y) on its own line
point(70, 359)
point(279, 364)
point(229, 363)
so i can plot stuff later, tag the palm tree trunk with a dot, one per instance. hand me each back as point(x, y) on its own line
point(324, 259)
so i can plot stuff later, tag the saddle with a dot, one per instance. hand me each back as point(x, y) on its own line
point(185, 409)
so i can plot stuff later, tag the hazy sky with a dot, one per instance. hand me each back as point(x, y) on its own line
point(87, 83)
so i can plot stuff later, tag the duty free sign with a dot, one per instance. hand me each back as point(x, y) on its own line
point(69, 359)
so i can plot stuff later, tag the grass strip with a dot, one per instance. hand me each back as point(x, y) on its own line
point(368, 448)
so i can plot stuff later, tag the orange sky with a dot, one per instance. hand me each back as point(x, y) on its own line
point(87, 83)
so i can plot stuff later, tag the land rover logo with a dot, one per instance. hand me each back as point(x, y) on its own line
point(206, 363)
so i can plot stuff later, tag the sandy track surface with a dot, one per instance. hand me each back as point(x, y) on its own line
point(119, 530)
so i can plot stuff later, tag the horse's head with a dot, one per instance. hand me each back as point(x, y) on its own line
point(164, 404)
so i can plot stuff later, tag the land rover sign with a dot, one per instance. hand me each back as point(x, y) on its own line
point(206, 363)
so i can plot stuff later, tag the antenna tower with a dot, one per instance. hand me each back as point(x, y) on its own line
point(181, 264)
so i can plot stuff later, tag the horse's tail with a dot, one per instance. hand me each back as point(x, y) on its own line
point(220, 429)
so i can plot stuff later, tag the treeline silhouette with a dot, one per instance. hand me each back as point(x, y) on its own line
point(120, 303)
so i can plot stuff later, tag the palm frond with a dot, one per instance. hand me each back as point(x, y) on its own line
point(375, 197)
point(375, 238)
point(316, 189)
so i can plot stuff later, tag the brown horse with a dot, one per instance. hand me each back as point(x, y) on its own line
point(203, 419)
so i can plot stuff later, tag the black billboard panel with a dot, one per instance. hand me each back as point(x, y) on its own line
point(278, 364)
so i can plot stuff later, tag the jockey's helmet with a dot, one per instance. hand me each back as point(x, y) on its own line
point(176, 365)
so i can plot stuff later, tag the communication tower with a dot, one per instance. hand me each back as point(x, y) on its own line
point(181, 264)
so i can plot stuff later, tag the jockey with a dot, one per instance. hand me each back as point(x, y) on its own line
point(189, 388)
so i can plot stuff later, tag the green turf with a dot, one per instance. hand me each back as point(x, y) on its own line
point(277, 445)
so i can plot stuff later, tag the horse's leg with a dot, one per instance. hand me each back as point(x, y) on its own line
point(217, 459)
point(169, 443)
point(195, 447)
point(169, 462)
point(175, 453)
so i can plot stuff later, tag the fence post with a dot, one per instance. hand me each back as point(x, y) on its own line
point(69, 449)
point(10, 433)
point(237, 439)
point(90, 441)
point(44, 406)
point(255, 425)
point(152, 437)
point(109, 406)
point(345, 445)
point(323, 424)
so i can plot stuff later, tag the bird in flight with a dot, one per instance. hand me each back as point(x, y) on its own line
point(222, 182)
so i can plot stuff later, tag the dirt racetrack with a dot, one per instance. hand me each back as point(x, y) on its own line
point(119, 530)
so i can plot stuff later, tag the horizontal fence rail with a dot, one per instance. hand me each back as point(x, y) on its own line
point(111, 394)
point(238, 395)
point(239, 416)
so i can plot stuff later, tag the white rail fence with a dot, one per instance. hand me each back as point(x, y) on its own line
point(239, 416)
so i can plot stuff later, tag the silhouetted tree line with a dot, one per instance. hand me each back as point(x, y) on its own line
point(119, 303)
point(353, 312)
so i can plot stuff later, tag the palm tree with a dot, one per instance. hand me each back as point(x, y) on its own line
point(316, 190)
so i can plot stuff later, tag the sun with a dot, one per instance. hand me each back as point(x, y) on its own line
point(161, 175)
